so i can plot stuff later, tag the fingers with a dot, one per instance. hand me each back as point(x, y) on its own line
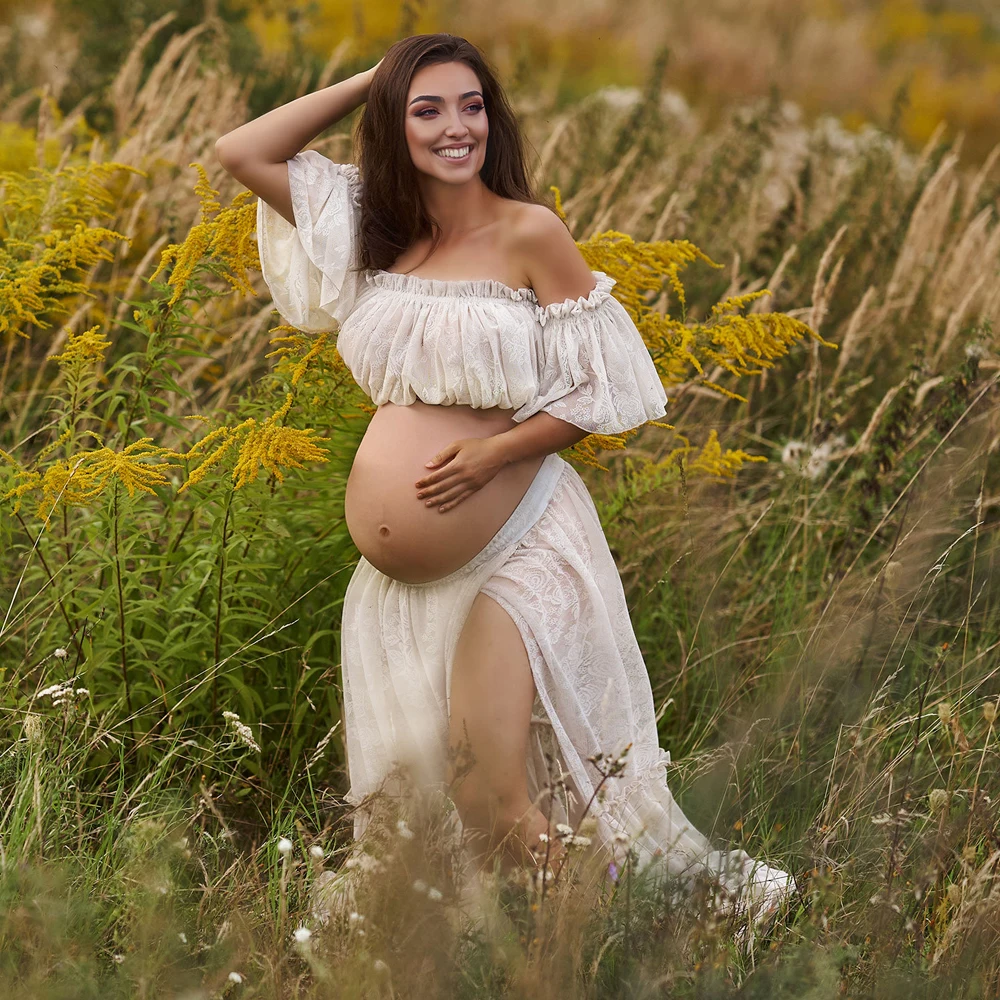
point(441, 481)
point(436, 489)
point(448, 494)
point(436, 477)
point(456, 501)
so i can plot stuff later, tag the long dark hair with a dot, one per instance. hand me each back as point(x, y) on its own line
point(393, 216)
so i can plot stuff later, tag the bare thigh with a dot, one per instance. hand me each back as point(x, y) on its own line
point(491, 696)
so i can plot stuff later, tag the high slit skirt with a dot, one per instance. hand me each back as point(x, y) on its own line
point(550, 568)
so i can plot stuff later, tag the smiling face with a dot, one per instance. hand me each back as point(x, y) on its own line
point(445, 108)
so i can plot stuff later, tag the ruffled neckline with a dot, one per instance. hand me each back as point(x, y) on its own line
point(494, 289)
point(483, 287)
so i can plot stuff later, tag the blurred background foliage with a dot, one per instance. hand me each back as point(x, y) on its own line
point(907, 65)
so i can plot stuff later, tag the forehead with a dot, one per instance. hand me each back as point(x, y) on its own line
point(446, 80)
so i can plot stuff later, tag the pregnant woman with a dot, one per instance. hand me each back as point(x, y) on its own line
point(486, 610)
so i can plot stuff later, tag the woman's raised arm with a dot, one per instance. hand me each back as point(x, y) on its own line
point(256, 153)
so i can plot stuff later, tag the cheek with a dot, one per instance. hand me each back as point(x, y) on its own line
point(413, 140)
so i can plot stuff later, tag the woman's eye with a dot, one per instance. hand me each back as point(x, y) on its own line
point(471, 107)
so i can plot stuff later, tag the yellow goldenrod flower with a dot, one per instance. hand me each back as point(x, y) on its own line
point(82, 350)
point(229, 237)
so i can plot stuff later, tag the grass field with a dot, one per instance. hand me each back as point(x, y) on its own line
point(808, 554)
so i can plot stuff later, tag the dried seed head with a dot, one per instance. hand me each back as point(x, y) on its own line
point(938, 800)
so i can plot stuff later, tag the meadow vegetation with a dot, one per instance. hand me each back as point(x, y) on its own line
point(807, 544)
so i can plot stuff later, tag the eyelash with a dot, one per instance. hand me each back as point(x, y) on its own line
point(420, 114)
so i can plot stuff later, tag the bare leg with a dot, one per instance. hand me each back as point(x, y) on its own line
point(492, 692)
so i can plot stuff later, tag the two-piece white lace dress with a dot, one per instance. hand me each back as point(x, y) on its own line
point(485, 344)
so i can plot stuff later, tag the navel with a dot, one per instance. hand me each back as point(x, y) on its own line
point(383, 530)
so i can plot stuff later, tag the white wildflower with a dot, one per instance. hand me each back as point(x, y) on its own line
point(564, 830)
point(580, 841)
point(60, 653)
point(118, 958)
point(419, 885)
point(183, 937)
point(975, 350)
point(235, 977)
point(285, 846)
point(355, 919)
point(302, 934)
point(59, 693)
point(543, 837)
point(434, 894)
point(243, 732)
point(380, 967)
point(403, 830)
point(316, 852)
point(794, 452)
point(369, 863)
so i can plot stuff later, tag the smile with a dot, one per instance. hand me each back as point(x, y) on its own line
point(450, 154)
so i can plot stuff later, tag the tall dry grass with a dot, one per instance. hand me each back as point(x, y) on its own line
point(821, 631)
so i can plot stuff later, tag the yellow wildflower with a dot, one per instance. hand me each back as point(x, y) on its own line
point(268, 444)
point(228, 237)
point(81, 351)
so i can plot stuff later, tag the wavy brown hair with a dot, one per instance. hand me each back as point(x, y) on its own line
point(393, 216)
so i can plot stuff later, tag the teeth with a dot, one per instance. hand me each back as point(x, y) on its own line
point(453, 154)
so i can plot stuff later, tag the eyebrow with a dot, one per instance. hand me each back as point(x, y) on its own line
point(440, 100)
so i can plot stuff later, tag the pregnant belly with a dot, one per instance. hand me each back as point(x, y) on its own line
point(397, 533)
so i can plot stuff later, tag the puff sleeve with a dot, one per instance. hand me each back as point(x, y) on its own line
point(311, 268)
point(594, 369)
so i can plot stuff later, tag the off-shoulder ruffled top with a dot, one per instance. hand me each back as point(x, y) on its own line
point(476, 342)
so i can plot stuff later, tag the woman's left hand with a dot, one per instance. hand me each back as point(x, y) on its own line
point(463, 468)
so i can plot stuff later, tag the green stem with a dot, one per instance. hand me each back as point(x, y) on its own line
point(36, 545)
point(121, 613)
point(218, 597)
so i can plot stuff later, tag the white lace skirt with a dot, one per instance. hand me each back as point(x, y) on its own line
point(550, 568)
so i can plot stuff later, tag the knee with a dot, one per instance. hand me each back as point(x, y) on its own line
point(489, 812)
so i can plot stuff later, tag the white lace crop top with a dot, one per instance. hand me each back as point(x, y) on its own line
point(476, 342)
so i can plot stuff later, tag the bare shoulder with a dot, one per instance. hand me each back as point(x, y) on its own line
point(548, 255)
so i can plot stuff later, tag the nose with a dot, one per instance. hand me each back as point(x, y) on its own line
point(455, 126)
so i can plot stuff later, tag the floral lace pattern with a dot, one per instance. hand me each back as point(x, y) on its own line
point(475, 342)
point(308, 268)
point(552, 571)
